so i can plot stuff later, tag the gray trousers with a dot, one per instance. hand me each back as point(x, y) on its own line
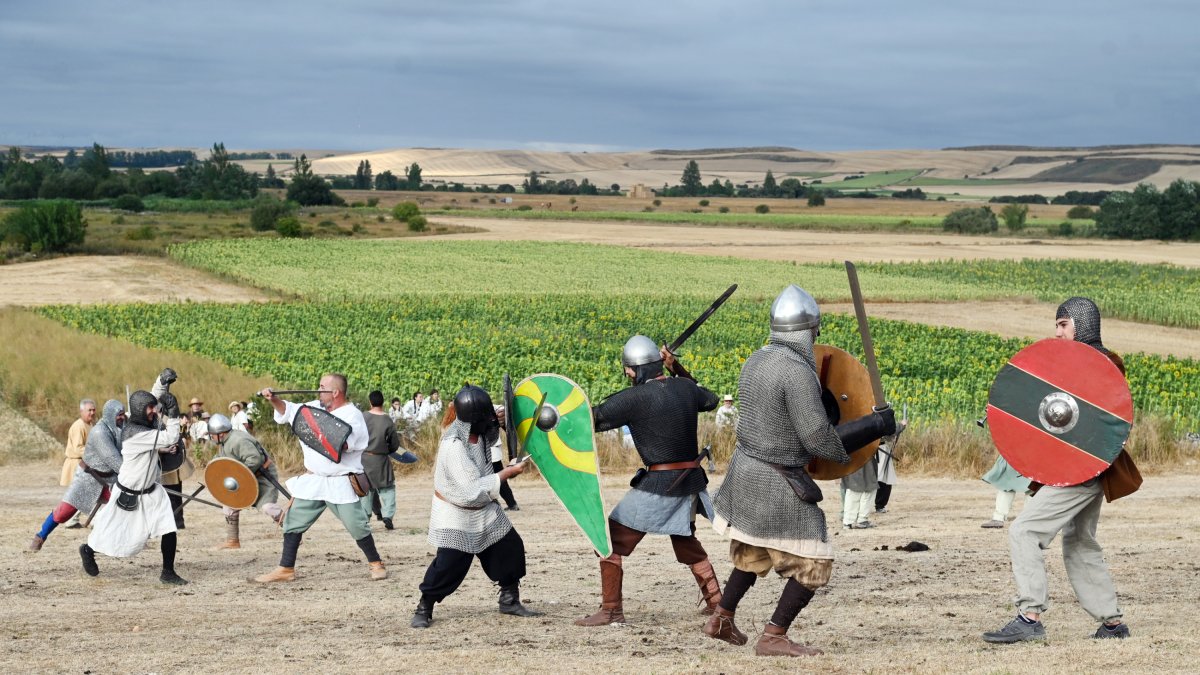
point(1074, 511)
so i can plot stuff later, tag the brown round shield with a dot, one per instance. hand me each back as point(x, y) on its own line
point(231, 483)
point(850, 384)
point(1059, 412)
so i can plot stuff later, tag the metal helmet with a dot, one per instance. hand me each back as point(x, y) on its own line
point(219, 424)
point(473, 405)
point(639, 351)
point(794, 309)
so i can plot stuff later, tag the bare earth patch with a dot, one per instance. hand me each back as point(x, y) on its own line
point(885, 610)
point(114, 279)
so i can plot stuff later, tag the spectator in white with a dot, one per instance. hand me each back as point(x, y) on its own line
point(396, 412)
point(199, 429)
point(433, 406)
point(238, 417)
point(414, 410)
point(727, 414)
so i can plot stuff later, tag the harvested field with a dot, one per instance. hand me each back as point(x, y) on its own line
point(885, 610)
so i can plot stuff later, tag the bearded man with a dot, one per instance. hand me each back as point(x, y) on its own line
point(768, 502)
point(141, 510)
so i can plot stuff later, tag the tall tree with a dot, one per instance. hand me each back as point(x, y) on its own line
point(413, 176)
point(692, 184)
point(309, 189)
point(95, 161)
point(770, 188)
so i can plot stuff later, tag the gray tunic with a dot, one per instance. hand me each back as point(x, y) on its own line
point(246, 449)
point(865, 479)
point(382, 440)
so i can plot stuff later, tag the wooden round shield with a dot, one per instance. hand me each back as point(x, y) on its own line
point(850, 384)
point(231, 483)
point(1059, 412)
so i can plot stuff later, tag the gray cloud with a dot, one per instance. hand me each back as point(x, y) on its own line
point(817, 74)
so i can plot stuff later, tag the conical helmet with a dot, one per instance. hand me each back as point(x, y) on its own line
point(794, 309)
point(639, 351)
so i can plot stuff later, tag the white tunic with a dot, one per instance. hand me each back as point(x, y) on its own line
point(120, 533)
point(326, 481)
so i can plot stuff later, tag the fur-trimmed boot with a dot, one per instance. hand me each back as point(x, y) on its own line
point(710, 588)
point(611, 575)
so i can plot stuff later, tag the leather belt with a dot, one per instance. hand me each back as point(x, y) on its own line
point(469, 508)
point(99, 475)
point(674, 466)
point(137, 492)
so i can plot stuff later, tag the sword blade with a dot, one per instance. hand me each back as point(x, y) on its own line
point(192, 498)
point(864, 329)
point(687, 333)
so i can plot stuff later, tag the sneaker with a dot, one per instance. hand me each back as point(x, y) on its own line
point(864, 525)
point(993, 524)
point(1120, 631)
point(1017, 630)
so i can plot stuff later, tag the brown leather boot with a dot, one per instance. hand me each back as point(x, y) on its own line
point(232, 539)
point(720, 626)
point(277, 574)
point(775, 642)
point(378, 571)
point(710, 588)
point(610, 612)
point(36, 544)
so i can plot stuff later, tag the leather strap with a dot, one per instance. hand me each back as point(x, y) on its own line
point(469, 508)
point(99, 475)
point(674, 466)
point(137, 492)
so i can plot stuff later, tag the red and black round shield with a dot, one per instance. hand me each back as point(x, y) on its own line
point(1059, 412)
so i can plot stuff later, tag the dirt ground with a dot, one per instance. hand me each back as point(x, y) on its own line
point(885, 610)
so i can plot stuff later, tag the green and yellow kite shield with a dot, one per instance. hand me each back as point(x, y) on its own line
point(561, 442)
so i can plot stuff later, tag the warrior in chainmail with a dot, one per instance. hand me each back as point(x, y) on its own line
point(465, 520)
point(768, 502)
point(141, 510)
point(1073, 510)
point(661, 413)
point(96, 473)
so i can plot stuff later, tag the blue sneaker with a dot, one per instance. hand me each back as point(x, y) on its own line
point(1017, 630)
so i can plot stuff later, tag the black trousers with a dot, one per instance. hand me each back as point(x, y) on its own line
point(882, 495)
point(503, 562)
point(176, 502)
point(506, 492)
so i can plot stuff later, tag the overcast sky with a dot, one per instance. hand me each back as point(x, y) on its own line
point(811, 74)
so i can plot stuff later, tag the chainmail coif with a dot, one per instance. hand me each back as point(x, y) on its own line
point(781, 421)
point(1087, 320)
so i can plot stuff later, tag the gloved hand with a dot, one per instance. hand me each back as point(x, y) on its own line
point(858, 433)
point(167, 376)
point(170, 405)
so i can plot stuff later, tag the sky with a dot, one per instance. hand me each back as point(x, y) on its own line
point(616, 75)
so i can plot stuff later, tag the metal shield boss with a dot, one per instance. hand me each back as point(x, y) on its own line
point(849, 383)
point(321, 431)
point(1059, 412)
point(231, 483)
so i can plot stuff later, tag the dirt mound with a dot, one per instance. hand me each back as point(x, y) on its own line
point(21, 439)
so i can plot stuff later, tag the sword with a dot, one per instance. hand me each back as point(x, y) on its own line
point(189, 498)
point(687, 333)
point(95, 510)
point(706, 453)
point(510, 429)
point(192, 497)
point(864, 330)
point(296, 391)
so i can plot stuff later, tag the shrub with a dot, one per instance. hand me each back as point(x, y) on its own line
point(971, 220)
point(129, 202)
point(358, 228)
point(266, 212)
point(524, 207)
point(762, 208)
point(817, 198)
point(657, 202)
point(45, 226)
point(723, 209)
point(373, 202)
point(1014, 216)
point(289, 226)
point(356, 205)
point(326, 223)
point(417, 223)
point(143, 233)
point(119, 220)
point(405, 210)
point(647, 209)
point(703, 202)
point(1065, 228)
point(1082, 212)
